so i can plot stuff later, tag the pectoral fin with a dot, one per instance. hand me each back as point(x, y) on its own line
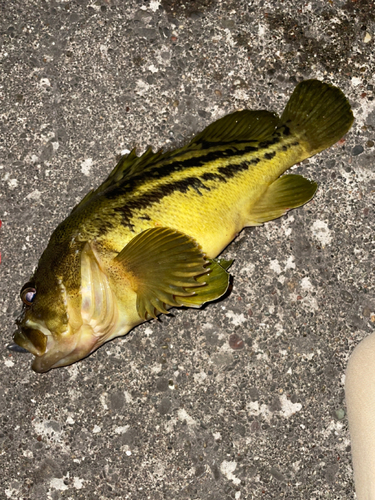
point(288, 191)
point(216, 284)
point(167, 268)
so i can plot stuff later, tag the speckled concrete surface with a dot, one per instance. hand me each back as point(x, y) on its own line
point(243, 399)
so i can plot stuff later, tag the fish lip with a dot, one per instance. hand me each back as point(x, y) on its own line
point(14, 347)
point(57, 355)
point(45, 362)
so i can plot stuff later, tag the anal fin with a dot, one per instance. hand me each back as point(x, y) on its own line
point(288, 191)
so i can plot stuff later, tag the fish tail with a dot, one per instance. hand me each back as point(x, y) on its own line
point(317, 113)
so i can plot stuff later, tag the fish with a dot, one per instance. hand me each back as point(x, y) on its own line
point(148, 238)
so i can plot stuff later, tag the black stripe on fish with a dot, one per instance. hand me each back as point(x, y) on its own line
point(160, 171)
point(269, 156)
point(270, 142)
point(233, 169)
point(197, 182)
point(155, 195)
point(285, 130)
point(210, 176)
point(213, 144)
point(285, 147)
point(204, 159)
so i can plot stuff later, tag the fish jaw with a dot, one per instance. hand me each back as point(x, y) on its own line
point(66, 349)
point(47, 351)
point(51, 350)
point(74, 346)
point(58, 353)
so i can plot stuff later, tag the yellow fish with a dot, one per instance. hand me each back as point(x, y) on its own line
point(147, 238)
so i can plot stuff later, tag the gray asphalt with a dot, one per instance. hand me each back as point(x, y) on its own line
point(243, 399)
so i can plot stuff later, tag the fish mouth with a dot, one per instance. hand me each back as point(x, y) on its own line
point(47, 352)
point(51, 352)
point(32, 340)
point(63, 353)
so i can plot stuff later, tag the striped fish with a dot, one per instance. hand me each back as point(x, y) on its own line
point(147, 239)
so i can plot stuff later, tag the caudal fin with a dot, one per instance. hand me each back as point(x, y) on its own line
point(317, 113)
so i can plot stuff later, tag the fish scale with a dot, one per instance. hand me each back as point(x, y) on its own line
point(228, 182)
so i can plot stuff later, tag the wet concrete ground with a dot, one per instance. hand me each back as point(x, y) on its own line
point(243, 399)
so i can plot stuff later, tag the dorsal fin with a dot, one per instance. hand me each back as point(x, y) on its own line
point(131, 165)
point(84, 200)
point(239, 126)
point(127, 167)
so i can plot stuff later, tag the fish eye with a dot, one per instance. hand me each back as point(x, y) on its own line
point(28, 295)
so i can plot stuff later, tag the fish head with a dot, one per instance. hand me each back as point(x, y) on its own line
point(45, 327)
point(66, 318)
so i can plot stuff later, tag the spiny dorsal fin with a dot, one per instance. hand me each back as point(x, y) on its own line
point(239, 126)
point(288, 191)
point(127, 167)
point(84, 200)
point(130, 166)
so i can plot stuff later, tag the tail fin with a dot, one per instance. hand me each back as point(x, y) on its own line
point(318, 114)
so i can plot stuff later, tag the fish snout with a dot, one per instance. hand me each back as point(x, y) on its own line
point(31, 339)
